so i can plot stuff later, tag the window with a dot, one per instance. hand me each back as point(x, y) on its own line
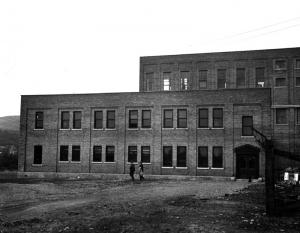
point(65, 119)
point(97, 153)
point(168, 118)
point(133, 119)
point(132, 154)
point(110, 154)
point(76, 120)
point(75, 153)
point(181, 118)
point(98, 119)
point(260, 76)
point(298, 116)
point(202, 156)
point(247, 125)
point(217, 159)
point(203, 118)
point(184, 75)
point(39, 120)
point(298, 81)
point(181, 156)
point(167, 78)
point(64, 153)
point(217, 118)
point(221, 75)
point(146, 118)
point(37, 156)
point(280, 64)
point(281, 116)
point(110, 119)
point(202, 79)
point(297, 64)
point(167, 156)
point(280, 82)
point(145, 154)
point(240, 77)
point(149, 81)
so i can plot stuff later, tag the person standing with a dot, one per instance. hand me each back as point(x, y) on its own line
point(141, 171)
point(132, 170)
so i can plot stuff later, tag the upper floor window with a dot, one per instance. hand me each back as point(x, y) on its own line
point(75, 153)
point(167, 156)
point(110, 119)
point(280, 82)
point(37, 154)
point(146, 118)
point(97, 153)
point(184, 75)
point(133, 119)
point(132, 154)
point(281, 116)
point(247, 125)
point(298, 81)
point(260, 76)
point(64, 153)
point(167, 79)
point(39, 120)
point(149, 77)
point(280, 64)
point(203, 156)
point(298, 116)
point(168, 118)
point(65, 120)
point(98, 119)
point(240, 77)
point(181, 118)
point(76, 120)
point(221, 78)
point(203, 118)
point(217, 158)
point(110, 154)
point(145, 154)
point(202, 79)
point(218, 118)
point(297, 64)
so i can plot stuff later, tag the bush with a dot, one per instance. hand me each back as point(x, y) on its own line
point(8, 162)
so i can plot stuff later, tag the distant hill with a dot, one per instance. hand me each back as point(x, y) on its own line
point(10, 123)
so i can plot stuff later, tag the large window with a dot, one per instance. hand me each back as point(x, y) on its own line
point(203, 118)
point(110, 119)
point(280, 64)
point(76, 120)
point(167, 80)
point(132, 154)
point(260, 76)
point(133, 119)
point(247, 125)
point(64, 153)
point(221, 75)
point(167, 156)
point(240, 77)
point(280, 82)
point(145, 154)
point(146, 118)
point(110, 154)
point(202, 79)
point(281, 116)
point(181, 118)
point(75, 153)
point(97, 153)
point(38, 154)
point(98, 119)
point(149, 81)
point(181, 156)
point(65, 120)
point(203, 156)
point(168, 118)
point(39, 120)
point(184, 76)
point(217, 159)
point(218, 118)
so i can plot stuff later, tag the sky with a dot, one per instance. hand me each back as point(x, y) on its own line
point(61, 46)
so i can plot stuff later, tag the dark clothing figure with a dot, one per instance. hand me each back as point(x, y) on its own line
point(141, 171)
point(131, 171)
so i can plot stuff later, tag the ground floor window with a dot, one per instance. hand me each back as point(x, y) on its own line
point(132, 154)
point(202, 156)
point(145, 154)
point(64, 152)
point(37, 156)
point(217, 159)
point(167, 156)
point(110, 154)
point(97, 153)
point(181, 156)
point(75, 153)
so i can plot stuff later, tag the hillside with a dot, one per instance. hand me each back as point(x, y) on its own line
point(10, 123)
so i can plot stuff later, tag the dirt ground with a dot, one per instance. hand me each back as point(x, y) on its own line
point(30, 205)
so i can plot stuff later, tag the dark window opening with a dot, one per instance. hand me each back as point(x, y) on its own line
point(181, 156)
point(132, 154)
point(75, 153)
point(298, 81)
point(97, 153)
point(203, 156)
point(280, 64)
point(297, 64)
point(221, 75)
point(146, 118)
point(247, 125)
point(167, 156)
point(168, 118)
point(280, 82)
point(110, 119)
point(260, 76)
point(38, 154)
point(98, 119)
point(149, 81)
point(76, 120)
point(202, 79)
point(65, 120)
point(281, 116)
point(133, 119)
point(110, 154)
point(218, 118)
point(203, 118)
point(64, 153)
point(39, 120)
point(298, 116)
point(145, 154)
point(181, 118)
point(217, 159)
point(240, 77)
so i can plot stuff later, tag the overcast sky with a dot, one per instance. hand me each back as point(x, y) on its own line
point(49, 47)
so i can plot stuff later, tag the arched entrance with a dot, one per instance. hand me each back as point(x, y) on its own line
point(247, 161)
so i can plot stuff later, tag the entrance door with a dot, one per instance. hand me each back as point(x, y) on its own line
point(247, 165)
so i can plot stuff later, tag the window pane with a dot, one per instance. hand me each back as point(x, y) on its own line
point(202, 156)
point(77, 120)
point(280, 64)
point(145, 156)
point(98, 119)
point(221, 78)
point(64, 153)
point(297, 65)
point(110, 121)
point(281, 116)
point(260, 76)
point(76, 153)
point(217, 160)
point(146, 119)
point(38, 152)
point(202, 79)
point(240, 77)
point(298, 116)
point(65, 118)
point(167, 156)
point(132, 154)
point(168, 118)
point(218, 118)
point(247, 124)
point(110, 154)
point(149, 81)
point(39, 120)
point(133, 118)
point(167, 78)
point(181, 118)
point(181, 156)
point(97, 153)
point(184, 76)
point(297, 81)
point(203, 118)
point(279, 82)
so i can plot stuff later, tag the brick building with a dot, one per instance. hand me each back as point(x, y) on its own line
point(193, 115)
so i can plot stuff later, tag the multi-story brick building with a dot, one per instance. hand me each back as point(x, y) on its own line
point(193, 116)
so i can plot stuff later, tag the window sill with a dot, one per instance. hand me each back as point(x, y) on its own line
point(167, 167)
point(250, 136)
point(93, 162)
point(135, 163)
point(146, 128)
point(98, 129)
point(109, 162)
point(203, 168)
point(65, 129)
point(217, 168)
point(168, 128)
point(203, 128)
point(38, 129)
point(146, 163)
point(36, 165)
point(132, 129)
point(217, 128)
point(181, 168)
point(63, 161)
point(182, 128)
